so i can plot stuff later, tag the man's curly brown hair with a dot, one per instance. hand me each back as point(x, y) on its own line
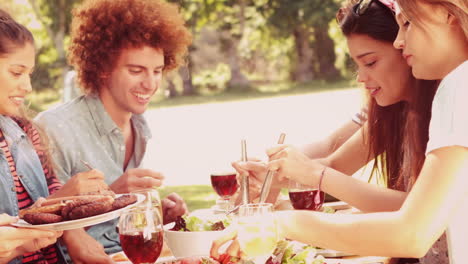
point(102, 28)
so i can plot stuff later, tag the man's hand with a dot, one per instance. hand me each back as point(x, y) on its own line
point(173, 205)
point(84, 182)
point(85, 249)
point(137, 179)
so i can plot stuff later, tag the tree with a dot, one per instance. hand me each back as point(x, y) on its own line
point(308, 21)
point(228, 17)
point(55, 17)
point(232, 24)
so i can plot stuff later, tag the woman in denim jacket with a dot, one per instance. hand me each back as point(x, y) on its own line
point(25, 171)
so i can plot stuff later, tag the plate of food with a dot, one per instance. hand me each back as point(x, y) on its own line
point(74, 212)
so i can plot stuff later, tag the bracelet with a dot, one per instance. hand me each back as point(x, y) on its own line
point(321, 178)
point(317, 198)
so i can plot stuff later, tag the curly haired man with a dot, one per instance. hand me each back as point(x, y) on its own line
point(121, 50)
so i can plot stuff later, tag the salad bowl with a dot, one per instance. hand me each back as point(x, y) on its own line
point(196, 237)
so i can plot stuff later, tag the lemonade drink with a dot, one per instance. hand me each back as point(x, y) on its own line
point(257, 235)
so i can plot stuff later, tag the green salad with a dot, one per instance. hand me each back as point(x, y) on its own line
point(192, 223)
point(293, 252)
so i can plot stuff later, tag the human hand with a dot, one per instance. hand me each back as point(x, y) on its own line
point(233, 252)
point(173, 206)
point(84, 182)
point(256, 171)
point(85, 249)
point(38, 203)
point(291, 163)
point(17, 241)
point(137, 179)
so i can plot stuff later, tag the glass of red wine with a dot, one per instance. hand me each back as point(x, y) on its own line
point(305, 197)
point(225, 185)
point(141, 234)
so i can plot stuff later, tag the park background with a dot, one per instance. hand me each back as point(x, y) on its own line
point(256, 68)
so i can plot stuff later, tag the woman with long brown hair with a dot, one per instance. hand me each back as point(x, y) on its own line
point(25, 171)
point(396, 131)
point(433, 38)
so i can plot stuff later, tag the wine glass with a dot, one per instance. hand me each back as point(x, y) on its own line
point(141, 234)
point(225, 185)
point(305, 197)
point(152, 199)
point(257, 231)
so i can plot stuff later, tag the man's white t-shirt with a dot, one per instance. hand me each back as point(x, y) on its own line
point(449, 127)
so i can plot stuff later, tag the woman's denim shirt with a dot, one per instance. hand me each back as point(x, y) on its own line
point(28, 167)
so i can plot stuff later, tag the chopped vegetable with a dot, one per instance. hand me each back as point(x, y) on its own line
point(193, 223)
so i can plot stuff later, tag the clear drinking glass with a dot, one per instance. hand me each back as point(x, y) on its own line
point(141, 234)
point(257, 231)
point(225, 185)
point(152, 199)
point(305, 197)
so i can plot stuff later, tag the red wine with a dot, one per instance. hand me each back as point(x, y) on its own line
point(224, 184)
point(306, 200)
point(139, 250)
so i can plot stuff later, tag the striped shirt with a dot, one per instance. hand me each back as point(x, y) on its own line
point(46, 255)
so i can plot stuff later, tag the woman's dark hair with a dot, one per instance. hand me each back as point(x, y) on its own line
point(397, 134)
point(377, 21)
point(12, 34)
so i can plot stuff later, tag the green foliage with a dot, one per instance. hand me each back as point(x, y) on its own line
point(263, 29)
point(284, 15)
point(212, 81)
point(39, 101)
point(203, 196)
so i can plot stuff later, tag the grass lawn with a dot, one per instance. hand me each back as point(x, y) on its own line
point(203, 196)
point(260, 91)
point(40, 101)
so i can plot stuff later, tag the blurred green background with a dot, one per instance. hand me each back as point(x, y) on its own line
point(241, 49)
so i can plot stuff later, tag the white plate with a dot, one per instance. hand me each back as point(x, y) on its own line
point(83, 222)
point(330, 253)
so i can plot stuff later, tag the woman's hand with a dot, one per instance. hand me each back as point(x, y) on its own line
point(256, 171)
point(291, 163)
point(85, 249)
point(233, 252)
point(17, 241)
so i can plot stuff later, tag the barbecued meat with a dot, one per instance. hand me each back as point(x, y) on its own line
point(72, 204)
point(123, 201)
point(70, 208)
point(42, 218)
point(85, 208)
